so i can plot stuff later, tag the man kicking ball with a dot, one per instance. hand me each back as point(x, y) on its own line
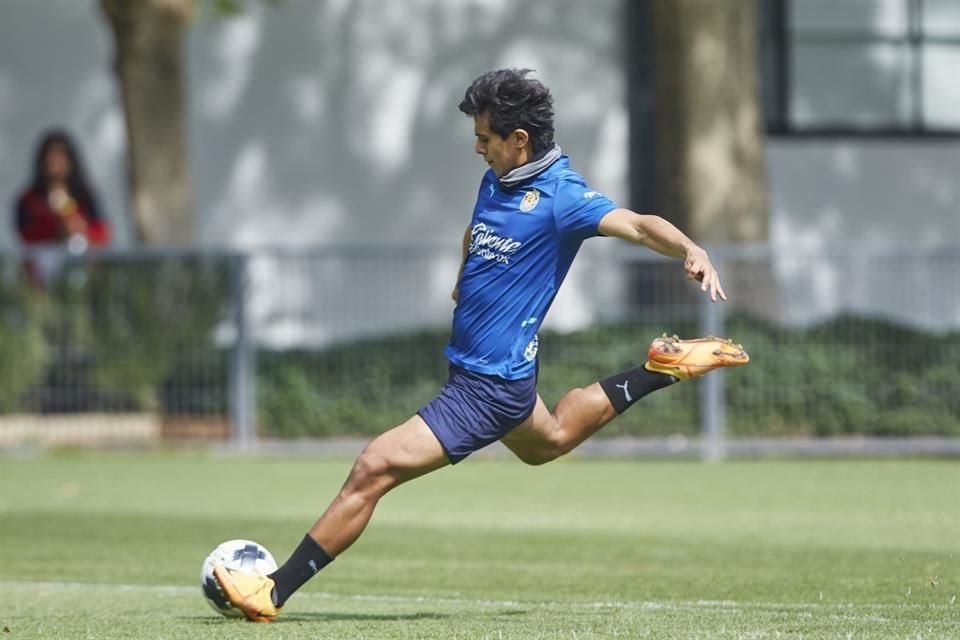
point(532, 214)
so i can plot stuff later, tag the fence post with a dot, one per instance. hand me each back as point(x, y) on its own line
point(243, 391)
point(712, 399)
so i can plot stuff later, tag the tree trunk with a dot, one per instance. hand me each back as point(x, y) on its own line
point(149, 67)
point(709, 141)
point(710, 171)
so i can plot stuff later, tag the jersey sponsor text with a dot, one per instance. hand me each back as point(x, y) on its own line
point(485, 243)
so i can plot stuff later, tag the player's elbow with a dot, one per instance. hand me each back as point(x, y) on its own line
point(626, 225)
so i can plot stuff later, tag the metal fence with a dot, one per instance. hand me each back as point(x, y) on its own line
point(119, 346)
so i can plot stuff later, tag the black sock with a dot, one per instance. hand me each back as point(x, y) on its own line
point(626, 388)
point(304, 563)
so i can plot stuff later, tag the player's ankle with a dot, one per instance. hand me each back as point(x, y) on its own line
point(624, 389)
point(305, 562)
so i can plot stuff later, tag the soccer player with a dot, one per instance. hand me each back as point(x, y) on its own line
point(532, 214)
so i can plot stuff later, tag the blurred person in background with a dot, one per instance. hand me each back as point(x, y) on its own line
point(59, 210)
point(531, 216)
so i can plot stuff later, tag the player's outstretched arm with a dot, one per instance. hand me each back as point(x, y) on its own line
point(663, 237)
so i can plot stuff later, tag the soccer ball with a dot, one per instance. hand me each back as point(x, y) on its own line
point(242, 555)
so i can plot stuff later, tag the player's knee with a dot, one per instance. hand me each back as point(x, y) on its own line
point(549, 446)
point(370, 473)
point(535, 458)
point(546, 452)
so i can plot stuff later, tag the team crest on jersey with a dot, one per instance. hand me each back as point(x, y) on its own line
point(530, 200)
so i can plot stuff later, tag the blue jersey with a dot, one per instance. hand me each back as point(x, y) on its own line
point(522, 242)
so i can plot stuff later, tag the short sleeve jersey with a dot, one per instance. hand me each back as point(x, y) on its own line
point(522, 242)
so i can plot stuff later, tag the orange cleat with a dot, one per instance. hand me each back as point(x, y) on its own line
point(248, 592)
point(685, 359)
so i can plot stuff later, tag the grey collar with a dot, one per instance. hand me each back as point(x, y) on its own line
point(527, 171)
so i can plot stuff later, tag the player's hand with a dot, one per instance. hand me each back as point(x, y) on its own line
point(698, 267)
point(455, 294)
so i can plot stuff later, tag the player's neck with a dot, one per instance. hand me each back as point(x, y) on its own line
point(525, 156)
point(531, 165)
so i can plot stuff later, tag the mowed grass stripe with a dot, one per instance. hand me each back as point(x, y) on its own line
point(151, 613)
point(109, 546)
point(429, 562)
point(38, 586)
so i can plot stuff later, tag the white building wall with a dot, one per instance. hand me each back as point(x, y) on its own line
point(856, 191)
point(320, 123)
point(55, 58)
point(897, 198)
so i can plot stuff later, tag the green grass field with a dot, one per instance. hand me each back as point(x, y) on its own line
point(110, 546)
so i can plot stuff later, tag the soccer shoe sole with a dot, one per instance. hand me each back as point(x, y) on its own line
point(237, 599)
point(685, 359)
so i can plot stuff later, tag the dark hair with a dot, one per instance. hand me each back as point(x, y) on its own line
point(77, 180)
point(512, 101)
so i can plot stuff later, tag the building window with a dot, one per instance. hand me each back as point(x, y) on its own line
point(861, 66)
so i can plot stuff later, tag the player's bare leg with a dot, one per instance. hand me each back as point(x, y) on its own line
point(403, 453)
point(580, 413)
point(545, 436)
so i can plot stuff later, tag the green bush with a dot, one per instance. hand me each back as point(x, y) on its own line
point(848, 376)
point(356, 388)
point(147, 317)
point(23, 349)
point(140, 337)
point(104, 335)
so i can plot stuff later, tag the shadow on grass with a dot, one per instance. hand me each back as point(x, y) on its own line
point(386, 617)
point(382, 617)
point(330, 617)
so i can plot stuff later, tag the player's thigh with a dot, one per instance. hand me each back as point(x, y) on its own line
point(535, 434)
point(406, 451)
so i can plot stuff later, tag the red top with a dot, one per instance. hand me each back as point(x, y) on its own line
point(40, 223)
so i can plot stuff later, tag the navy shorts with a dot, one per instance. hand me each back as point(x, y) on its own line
point(473, 410)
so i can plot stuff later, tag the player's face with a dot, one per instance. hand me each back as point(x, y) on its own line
point(501, 154)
